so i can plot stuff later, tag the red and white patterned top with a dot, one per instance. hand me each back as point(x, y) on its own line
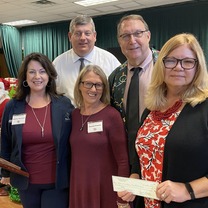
point(150, 144)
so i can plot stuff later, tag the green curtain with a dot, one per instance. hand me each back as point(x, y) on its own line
point(164, 22)
point(11, 42)
point(49, 39)
point(106, 27)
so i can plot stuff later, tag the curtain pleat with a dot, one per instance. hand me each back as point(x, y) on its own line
point(164, 22)
point(49, 39)
point(11, 42)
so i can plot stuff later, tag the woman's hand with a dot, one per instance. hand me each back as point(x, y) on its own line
point(126, 196)
point(172, 191)
point(5, 181)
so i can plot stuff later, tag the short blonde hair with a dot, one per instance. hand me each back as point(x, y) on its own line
point(105, 98)
point(196, 92)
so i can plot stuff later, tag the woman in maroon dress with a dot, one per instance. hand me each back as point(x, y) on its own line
point(98, 144)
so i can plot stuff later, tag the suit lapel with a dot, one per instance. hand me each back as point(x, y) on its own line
point(56, 114)
point(19, 109)
point(119, 89)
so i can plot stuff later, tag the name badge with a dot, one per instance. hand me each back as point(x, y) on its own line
point(94, 126)
point(18, 119)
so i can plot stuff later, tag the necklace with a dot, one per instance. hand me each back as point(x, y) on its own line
point(157, 115)
point(41, 126)
point(84, 122)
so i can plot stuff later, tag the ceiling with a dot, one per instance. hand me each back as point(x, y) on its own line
point(45, 11)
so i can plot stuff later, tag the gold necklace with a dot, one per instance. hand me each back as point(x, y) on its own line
point(84, 122)
point(41, 126)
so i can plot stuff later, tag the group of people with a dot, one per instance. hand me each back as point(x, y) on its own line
point(69, 127)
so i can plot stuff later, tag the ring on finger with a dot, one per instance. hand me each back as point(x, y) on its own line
point(163, 195)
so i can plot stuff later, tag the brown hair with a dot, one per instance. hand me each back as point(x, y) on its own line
point(22, 91)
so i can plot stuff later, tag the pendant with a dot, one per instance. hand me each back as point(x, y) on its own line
point(84, 122)
point(42, 132)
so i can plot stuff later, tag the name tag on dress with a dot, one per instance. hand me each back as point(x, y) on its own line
point(96, 126)
point(18, 119)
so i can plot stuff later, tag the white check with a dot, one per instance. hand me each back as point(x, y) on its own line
point(135, 186)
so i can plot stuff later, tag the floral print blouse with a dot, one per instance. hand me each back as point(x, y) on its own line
point(150, 143)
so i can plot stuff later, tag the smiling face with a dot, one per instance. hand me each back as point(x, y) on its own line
point(91, 96)
point(179, 78)
point(36, 77)
point(136, 48)
point(83, 39)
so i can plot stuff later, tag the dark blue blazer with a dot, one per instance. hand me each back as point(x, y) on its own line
point(11, 140)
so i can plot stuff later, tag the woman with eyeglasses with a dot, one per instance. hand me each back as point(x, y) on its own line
point(172, 140)
point(98, 143)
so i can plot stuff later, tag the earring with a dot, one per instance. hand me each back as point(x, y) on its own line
point(25, 84)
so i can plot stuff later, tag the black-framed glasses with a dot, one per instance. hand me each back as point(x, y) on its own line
point(137, 34)
point(89, 85)
point(186, 63)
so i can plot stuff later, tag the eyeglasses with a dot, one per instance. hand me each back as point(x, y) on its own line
point(137, 34)
point(186, 63)
point(89, 85)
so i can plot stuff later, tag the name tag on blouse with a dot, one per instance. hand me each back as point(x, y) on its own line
point(94, 126)
point(18, 119)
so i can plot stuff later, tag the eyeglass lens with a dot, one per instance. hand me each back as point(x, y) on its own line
point(89, 85)
point(186, 63)
point(137, 34)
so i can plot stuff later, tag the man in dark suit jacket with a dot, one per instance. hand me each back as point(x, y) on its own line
point(133, 37)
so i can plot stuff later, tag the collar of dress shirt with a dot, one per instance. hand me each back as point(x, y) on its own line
point(88, 57)
point(144, 65)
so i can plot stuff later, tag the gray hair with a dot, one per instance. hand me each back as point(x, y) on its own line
point(131, 17)
point(81, 20)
